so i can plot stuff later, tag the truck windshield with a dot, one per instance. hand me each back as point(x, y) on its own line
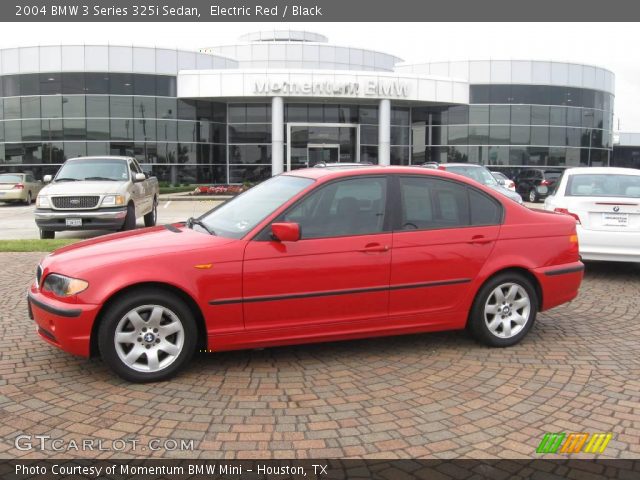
point(237, 217)
point(102, 169)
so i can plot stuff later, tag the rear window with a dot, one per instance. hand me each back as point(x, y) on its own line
point(603, 185)
point(10, 178)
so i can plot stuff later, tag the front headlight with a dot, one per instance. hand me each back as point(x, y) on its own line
point(63, 286)
point(42, 201)
point(112, 200)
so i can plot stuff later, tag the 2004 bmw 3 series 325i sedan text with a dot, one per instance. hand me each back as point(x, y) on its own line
point(312, 255)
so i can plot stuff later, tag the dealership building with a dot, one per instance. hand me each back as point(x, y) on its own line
point(280, 100)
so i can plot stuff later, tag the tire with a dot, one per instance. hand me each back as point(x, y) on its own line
point(29, 199)
point(533, 195)
point(151, 217)
point(155, 344)
point(511, 321)
point(130, 219)
point(47, 234)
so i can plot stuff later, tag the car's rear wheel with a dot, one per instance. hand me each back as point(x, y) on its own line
point(504, 310)
point(147, 337)
point(47, 234)
point(533, 195)
point(151, 218)
point(130, 219)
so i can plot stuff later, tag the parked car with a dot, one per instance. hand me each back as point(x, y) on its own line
point(535, 184)
point(97, 193)
point(605, 203)
point(19, 187)
point(313, 255)
point(504, 181)
point(482, 175)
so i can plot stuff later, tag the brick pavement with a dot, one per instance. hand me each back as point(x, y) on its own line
point(433, 395)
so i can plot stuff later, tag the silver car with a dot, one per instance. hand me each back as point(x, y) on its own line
point(480, 174)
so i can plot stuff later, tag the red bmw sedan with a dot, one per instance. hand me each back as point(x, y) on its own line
point(312, 255)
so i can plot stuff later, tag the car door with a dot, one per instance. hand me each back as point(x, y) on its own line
point(337, 273)
point(137, 189)
point(446, 232)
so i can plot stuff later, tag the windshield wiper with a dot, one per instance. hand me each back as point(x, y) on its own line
point(66, 179)
point(101, 178)
point(194, 221)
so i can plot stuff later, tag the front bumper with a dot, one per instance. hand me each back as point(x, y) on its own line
point(105, 218)
point(64, 325)
point(13, 195)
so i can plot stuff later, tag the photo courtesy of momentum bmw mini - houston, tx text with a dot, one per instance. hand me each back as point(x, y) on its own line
point(361, 247)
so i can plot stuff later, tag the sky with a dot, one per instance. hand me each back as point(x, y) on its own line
point(610, 45)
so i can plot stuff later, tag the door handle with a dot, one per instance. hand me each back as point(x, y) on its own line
point(374, 247)
point(480, 240)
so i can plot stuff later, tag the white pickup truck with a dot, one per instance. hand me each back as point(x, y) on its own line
point(95, 193)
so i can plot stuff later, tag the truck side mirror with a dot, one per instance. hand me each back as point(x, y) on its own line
point(139, 177)
point(46, 178)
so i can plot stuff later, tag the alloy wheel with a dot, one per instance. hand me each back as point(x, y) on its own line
point(149, 338)
point(507, 310)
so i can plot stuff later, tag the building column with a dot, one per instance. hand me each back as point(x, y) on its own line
point(277, 136)
point(384, 132)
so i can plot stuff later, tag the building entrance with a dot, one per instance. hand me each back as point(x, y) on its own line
point(311, 143)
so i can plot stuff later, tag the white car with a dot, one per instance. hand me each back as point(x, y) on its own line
point(605, 201)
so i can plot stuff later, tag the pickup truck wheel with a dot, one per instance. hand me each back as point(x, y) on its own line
point(47, 234)
point(504, 310)
point(130, 219)
point(148, 336)
point(151, 217)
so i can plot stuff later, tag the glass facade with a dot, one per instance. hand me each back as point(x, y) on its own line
point(518, 125)
point(47, 118)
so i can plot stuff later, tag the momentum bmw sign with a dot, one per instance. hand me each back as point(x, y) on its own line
point(353, 89)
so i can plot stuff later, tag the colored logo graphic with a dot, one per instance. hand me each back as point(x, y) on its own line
point(574, 443)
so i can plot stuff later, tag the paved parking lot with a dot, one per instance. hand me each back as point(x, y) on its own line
point(432, 395)
point(18, 222)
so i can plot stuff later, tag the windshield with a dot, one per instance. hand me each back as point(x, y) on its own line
point(240, 215)
point(10, 178)
point(603, 185)
point(107, 169)
point(478, 174)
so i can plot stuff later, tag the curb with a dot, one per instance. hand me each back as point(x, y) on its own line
point(195, 198)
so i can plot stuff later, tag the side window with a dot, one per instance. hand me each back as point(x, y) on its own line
point(349, 207)
point(429, 203)
point(484, 211)
point(29, 179)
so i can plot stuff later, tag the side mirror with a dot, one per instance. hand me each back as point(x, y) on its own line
point(46, 178)
point(286, 232)
point(139, 177)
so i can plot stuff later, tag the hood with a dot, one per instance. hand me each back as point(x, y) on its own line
point(82, 188)
point(126, 247)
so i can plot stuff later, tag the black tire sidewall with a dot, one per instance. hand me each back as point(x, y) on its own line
point(112, 315)
point(130, 219)
point(476, 323)
point(151, 218)
point(47, 234)
point(535, 196)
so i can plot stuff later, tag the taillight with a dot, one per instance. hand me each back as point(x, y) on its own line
point(567, 212)
point(18, 186)
point(441, 167)
point(545, 183)
point(573, 241)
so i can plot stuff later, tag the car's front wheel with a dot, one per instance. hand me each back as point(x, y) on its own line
point(533, 195)
point(504, 310)
point(148, 336)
